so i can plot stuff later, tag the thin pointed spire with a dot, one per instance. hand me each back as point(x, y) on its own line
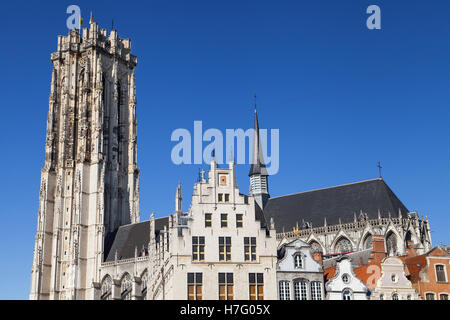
point(258, 165)
point(91, 20)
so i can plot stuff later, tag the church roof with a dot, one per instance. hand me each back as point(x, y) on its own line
point(131, 236)
point(333, 203)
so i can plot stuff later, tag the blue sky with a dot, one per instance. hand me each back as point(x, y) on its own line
point(343, 97)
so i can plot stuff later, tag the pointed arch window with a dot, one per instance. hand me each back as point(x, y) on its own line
point(106, 288)
point(144, 281)
point(125, 287)
point(368, 242)
point(315, 247)
point(391, 244)
point(343, 245)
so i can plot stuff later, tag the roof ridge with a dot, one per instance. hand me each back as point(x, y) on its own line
point(319, 189)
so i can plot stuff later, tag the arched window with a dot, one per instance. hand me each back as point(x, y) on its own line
point(106, 288)
point(144, 280)
point(391, 244)
point(125, 287)
point(343, 245)
point(316, 290)
point(300, 289)
point(368, 242)
point(407, 239)
point(284, 290)
point(298, 261)
point(443, 296)
point(381, 296)
point(347, 295)
point(395, 296)
point(315, 247)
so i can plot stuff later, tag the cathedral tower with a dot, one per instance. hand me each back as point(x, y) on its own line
point(90, 180)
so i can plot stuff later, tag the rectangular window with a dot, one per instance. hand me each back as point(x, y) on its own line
point(298, 261)
point(223, 220)
point(195, 285)
point(198, 248)
point(224, 248)
point(440, 273)
point(226, 289)
point(284, 290)
point(300, 292)
point(239, 221)
point(316, 291)
point(227, 197)
point(256, 286)
point(250, 248)
point(220, 197)
point(208, 220)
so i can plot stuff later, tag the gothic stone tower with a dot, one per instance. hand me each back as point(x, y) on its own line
point(90, 181)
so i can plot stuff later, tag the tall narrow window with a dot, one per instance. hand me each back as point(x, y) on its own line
point(226, 289)
point(298, 261)
point(224, 248)
point(440, 273)
point(195, 285)
point(107, 288)
point(144, 280)
point(239, 220)
point(208, 220)
point(300, 290)
point(220, 197)
point(223, 220)
point(284, 290)
point(227, 197)
point(256, 286)
point(316, 290)
point(125, 287)
point(250, 248)
point(198, 248)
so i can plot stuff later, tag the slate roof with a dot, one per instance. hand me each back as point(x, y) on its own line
point(131, 236)
point(333, 203)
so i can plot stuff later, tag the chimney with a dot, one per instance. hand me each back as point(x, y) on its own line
point(378, 249)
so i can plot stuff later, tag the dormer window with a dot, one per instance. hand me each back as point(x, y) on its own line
point(298, 261)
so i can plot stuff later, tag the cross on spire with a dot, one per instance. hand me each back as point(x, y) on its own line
point(379, 169)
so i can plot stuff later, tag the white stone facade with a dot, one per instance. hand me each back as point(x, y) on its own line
point(393, 284)
point(299, 276)
point(345, 285)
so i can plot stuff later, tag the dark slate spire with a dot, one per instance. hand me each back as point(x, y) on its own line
point(257, 166)
point(258, 174)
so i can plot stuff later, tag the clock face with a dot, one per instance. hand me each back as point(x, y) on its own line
point(223, 180)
